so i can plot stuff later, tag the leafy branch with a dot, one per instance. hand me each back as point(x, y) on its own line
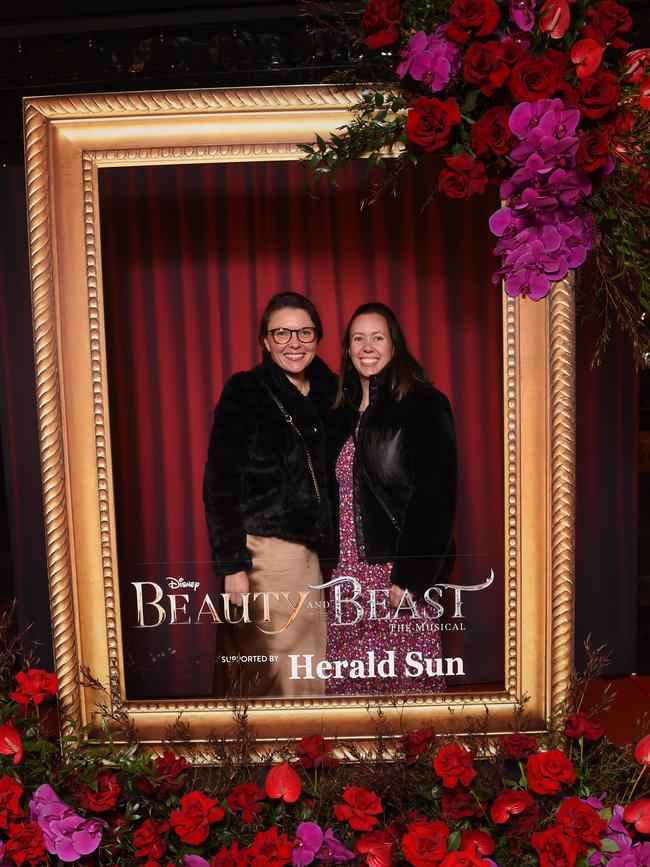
point(378, 126)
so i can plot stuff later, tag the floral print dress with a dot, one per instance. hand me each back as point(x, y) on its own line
point(391, 638)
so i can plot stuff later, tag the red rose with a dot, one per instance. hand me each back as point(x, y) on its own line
point(554, 848)
point(463, 177)
point(558, 59)
point(192, 821)
point(479, 17)
point(458, 858)
point(638, 814)
point(581, 821)
point(416, 743)
point(454, 764)
point(25, 844)
point(598, 94)
point(429, 122)
point(607, 22)
point(512, 51)
point(34, 685)
point(314, 753)
point(579, 725)
point(484, 66)
point(375, 849)
point(148, 839)
point(104, 797)
point(425, 843)
point(457, 803)
point(592, 154)
point(642, 751)
point(270, 849)
point(381, 19)
point(547, 772)
point(360, 808)
point(491, 133)
point(510, 804)
point(245, 799)
point(477, 842)
point(623, 121)
point(534, 78)
point(283, 782)
point(10, 742)
point(554, 17)
point(10, 795)
point(167, 773)
point(232, 857)
point(517, 746)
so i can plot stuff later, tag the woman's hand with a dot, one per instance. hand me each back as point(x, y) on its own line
point(395, 595)
point(236, 584)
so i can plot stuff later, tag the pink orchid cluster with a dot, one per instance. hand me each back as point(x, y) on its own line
point(542, 233)
point(432, 59)
point(66, 834)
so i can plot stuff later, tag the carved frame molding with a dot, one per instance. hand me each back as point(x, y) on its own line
point(70, 138)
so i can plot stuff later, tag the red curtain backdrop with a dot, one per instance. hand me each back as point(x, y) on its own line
point(191, 254)
point(607, 419)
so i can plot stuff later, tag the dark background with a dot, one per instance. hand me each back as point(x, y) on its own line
point(75, 47)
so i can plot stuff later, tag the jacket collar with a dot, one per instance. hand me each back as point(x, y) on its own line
point(322, 382)
point(378, 384)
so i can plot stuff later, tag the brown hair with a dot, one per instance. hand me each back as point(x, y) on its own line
point(295, 301)
point(403, 371)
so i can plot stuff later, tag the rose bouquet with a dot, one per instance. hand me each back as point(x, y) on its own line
point(565, 797)
point(540, 97)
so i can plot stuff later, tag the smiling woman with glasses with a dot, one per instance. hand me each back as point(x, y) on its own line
point(266, 505)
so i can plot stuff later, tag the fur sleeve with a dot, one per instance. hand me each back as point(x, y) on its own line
point(222, 483)
point(425, 544)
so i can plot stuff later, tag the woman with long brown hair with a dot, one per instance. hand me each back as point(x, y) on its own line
point(395, 451)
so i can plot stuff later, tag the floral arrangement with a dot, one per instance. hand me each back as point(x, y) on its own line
point(567, 797)
point(547, 102)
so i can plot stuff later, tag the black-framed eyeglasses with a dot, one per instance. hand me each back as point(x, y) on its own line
point(282, 336)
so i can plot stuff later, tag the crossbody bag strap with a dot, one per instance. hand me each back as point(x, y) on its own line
point(289, 420)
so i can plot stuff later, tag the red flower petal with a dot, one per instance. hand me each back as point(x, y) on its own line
point(10, 742)
point(638, 814)
point(554, 18)
point(283, 782)
point(587, 54)
point(641, 751)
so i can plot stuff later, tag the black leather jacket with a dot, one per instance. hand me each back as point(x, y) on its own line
point(257, 478)
point(404, 480)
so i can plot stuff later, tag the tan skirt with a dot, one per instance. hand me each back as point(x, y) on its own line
point(284, 640)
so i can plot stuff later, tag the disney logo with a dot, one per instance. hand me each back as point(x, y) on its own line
point(176, 583)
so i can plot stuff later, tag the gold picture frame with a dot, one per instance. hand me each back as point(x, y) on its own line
point(68, 140)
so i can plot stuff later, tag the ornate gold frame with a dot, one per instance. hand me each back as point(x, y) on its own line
point(67, 140)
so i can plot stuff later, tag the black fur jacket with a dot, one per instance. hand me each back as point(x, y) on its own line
point(404, 479)
point(257, 477)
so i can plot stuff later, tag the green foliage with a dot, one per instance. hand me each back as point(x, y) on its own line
point(379, 126)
